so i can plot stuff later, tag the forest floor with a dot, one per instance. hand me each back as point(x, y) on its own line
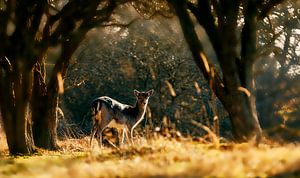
point(159, 157)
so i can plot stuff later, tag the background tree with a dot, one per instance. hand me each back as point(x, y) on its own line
point(234, 42)
point(135, 52)
point(277, 71)
point(143, 56)
point(27, 30)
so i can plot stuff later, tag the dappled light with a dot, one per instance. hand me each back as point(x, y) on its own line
point(139, 88)
point(178, 158)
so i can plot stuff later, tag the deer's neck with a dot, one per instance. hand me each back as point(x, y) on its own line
point(140, 112)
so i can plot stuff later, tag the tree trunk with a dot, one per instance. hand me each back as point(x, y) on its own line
point(26, 46)
point(243, 116)
point(44, 120)
point(230, 92)
point(44, 126)
point(239, 100)
point(15, 89)
point(45, 96)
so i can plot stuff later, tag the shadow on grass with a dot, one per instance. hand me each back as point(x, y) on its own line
point(290, 171)
point(128, 153)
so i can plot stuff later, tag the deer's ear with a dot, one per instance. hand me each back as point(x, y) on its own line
point(136, 93)
point(150, 92)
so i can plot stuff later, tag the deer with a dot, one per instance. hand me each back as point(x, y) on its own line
point(108, 112)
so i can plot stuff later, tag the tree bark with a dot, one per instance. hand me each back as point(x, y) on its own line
point(44, 126)
point(45, 96)
point(15, 88)
point(44, 120)
point(243, 116)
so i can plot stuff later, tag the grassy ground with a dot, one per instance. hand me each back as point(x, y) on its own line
point(159, 157)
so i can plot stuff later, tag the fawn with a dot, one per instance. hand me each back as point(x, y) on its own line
point(108, 112)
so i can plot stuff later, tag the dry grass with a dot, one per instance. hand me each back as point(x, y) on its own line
point(3, 143)
point(157, 157)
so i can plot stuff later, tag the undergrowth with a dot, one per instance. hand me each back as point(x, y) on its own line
point(159, 157)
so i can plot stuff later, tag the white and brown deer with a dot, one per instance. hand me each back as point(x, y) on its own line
point(108, 112)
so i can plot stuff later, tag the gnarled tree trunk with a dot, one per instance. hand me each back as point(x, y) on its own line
point(233, 90)
point(44, 120)
point(15, 89)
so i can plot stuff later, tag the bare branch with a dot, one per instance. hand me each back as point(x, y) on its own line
point(118, 24)
point(205, 18)
point(53, 8)
point(214, 138)
point(218, 10)
point(5, 63)
point(266, 8)
point(101, 15)
point(197, 48)
point(5, 16)
point(148, 9)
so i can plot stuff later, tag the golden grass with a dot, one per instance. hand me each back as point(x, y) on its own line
point(3, 143)
point(157, 157)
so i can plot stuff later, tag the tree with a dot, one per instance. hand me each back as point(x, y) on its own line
point(27, 30)
point(277, 72)
point(228, 33)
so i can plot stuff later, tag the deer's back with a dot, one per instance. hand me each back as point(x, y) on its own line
point(112, 103)
point(119, 111)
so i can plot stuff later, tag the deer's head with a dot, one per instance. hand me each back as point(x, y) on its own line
point(143, 97)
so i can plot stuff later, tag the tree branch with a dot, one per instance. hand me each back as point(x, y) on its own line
point(100, 16)
point(205, 18)
point(266, 8)
point(196, 48)
point(248, 44)
point(118, 24)
point(218, 10)
point(5, 64)
point(4, 21)
point(36, 15)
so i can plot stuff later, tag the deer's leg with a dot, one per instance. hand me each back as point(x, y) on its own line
point(105, 120)
point(95, 127)
point(120, 137)
point(94, 130)
point(131, 135)
point(123, 135)
point(100, 138)
point(118, 142)
point(128, 136)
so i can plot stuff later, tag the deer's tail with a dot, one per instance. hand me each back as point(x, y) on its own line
point(96, 107)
